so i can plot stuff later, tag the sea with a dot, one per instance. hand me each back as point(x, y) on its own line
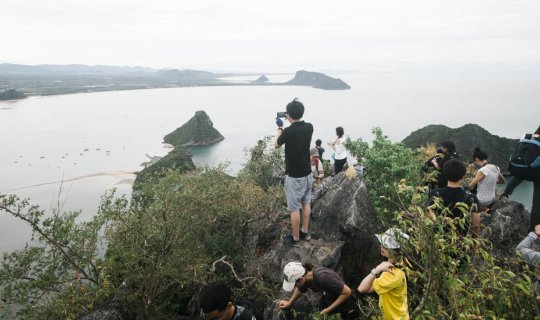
point(64, 152)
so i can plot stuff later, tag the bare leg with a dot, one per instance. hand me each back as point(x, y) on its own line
point(295, 224)
point(306, 215)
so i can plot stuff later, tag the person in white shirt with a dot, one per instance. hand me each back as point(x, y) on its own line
point(486, 179)
point(340, 153)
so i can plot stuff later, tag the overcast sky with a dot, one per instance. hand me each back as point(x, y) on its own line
point(275, 35)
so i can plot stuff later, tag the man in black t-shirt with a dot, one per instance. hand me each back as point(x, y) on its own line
point(449, 150)
point(298, 177)
point(454, 171)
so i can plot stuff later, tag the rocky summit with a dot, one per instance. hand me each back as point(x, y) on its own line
point(466, 139)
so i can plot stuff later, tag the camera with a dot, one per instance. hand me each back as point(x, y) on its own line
point(440, 150)
point(282, 114)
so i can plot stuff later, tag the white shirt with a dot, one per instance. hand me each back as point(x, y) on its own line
point(488, 185)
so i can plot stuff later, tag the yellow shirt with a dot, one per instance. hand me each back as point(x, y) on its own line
point(392, 291)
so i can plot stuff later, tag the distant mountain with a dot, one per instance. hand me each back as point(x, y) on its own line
point(317, 80)
point(262, 79)
point(466, 139)
point(186, 75)
point(69, 69)
point(199, 130)
point(12, 94)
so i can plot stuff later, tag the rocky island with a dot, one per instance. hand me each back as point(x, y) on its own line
point(317, 80)
point(198, 131)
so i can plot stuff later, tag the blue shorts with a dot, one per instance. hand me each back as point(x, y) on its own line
point(298, 191)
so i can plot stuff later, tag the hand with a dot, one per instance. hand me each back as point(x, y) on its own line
point(384, 267)
point(536, 136)
point(537, 230)
point(279, 122)
point(325, 311)
point(282, 304)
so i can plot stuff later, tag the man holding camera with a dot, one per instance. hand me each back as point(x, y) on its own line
point(298, 177)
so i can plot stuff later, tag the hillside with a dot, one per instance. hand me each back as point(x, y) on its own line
point(198, 131)
point(466, 139)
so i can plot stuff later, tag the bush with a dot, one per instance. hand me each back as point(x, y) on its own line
point(386, 164)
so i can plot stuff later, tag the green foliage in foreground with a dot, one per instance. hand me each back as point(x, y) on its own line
point(157, 254)
point(386, 163)
point(457, 277)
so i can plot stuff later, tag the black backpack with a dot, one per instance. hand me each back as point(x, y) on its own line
point(525, 161)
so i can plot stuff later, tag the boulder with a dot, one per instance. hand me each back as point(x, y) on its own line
point(343, 224)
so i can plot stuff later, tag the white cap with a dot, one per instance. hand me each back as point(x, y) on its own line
point(292, 271)
point(391, 238)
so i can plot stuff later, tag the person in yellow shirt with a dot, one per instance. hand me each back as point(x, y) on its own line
point(388, 280)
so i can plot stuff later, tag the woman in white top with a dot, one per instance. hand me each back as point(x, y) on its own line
point(340, 153)
point(486, 178)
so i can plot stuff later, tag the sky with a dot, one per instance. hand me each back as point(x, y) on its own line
point(274, 36)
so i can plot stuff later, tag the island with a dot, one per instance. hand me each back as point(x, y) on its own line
point(12, 94)
point(317, 80)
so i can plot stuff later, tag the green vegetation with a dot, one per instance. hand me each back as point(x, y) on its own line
point(184, 227)
point(386, 164)
point(199, 130)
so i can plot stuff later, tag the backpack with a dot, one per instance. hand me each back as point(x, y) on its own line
point(525, 161)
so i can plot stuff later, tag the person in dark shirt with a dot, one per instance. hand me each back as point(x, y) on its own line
point(453, 193)
point(298, 177)
point(216, 304)
point(318, 143)
point(337, 296)
point(513, 182)
point(449, 150)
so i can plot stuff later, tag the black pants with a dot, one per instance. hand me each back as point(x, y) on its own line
point(338, 165)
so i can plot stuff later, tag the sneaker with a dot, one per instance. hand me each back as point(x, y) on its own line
point(305, 236)
point(289, 240)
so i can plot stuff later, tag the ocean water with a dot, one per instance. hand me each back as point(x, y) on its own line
point(66, 151)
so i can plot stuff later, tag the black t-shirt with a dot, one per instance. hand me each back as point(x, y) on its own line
point(327, 281)
point(321, 151)
point(297, 139)
point(450, 196)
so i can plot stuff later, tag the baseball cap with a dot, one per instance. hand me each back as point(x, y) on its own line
point(391, 238)
point(292, 272)
point(314, 152)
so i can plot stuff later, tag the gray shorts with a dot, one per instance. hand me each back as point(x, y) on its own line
point(298, 191)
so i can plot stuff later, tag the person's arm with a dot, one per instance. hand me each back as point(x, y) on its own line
point(276, 139)
point(282, 304)
point(479, 177)
point(366, 285)
point(525, 247)
point(345, 293)
point(501, 179)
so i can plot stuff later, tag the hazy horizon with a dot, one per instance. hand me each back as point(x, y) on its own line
point(278, 36)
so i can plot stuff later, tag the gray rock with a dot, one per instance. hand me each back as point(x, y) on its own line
point(506, 226)
point(343, 224)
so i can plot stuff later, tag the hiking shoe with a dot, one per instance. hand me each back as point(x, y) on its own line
point(289, 240)
point(305, 236)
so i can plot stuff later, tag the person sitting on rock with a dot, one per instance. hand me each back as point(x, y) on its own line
point(336, 299)
point(388, 279)
point(318, 143)
point(454, 170)
point(316, 167)
point(217, 304)
point(486, 179)
point(525, 247)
